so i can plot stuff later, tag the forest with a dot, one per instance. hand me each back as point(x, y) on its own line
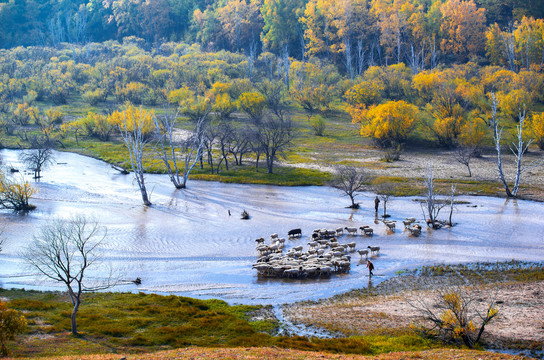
point(261, 81)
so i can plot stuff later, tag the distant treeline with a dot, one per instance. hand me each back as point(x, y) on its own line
point(348, 32)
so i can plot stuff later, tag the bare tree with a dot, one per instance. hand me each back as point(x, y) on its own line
point(275, 99)
point(191, 148)
point(37, 159)
point(274, 137)
point(455, 317)
point(385, 191)
point(350, 180)
point(433, 204)
point(464, 155)
point(64, 251)
point(132, 131)
point(497, 134)
point(518, 148)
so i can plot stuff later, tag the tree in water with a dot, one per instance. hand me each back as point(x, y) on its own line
point(134, 125)
point(37, 159)
point(350, 180)
point(190, 148)
point(15, 195)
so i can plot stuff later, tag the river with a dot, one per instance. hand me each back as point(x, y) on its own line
point(187, 243)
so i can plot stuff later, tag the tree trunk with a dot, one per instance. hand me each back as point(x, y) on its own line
point(73, 316)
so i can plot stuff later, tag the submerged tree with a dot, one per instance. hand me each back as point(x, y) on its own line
point(15, 195)
point(134, 124)
point(64, 251)
point(37, 159)
point(350, 180)
point(385, 190)
point(190, 148)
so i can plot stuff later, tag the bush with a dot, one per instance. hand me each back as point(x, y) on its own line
point(318, 124)
point(11, 324)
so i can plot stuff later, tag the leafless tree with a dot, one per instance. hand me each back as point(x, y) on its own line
point(37, 159)
point(464, 155)
point(135, 140)
point(251, 56)
point(274, 137)
point(432, 204)
point(64, 251)
point(518, 148)
point(190, 148)
point(455, 315)
point(225, 135)
point(350, 180)
point(385, 191)
point(275, 99)
point(240, 144)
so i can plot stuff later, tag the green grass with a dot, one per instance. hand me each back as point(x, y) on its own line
point(113, 322)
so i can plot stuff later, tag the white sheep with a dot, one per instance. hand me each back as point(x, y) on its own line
point(351, 230)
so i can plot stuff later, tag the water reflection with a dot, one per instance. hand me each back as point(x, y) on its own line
point(187, 243)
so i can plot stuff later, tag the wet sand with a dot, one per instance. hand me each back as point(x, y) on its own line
point(187, 244)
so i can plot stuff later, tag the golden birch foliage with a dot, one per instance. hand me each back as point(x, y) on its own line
point(329, 22)
point(537, 128)
point(426, 82)
point(252, 103)
point(498, 79)
point(494, 46)
point(364, 93)
point(132, 117)
point(473, 133)
point(514, 102)
point(389, 123)
point(529, 36)
point(463, 28)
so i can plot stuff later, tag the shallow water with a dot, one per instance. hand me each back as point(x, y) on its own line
point(187, 244)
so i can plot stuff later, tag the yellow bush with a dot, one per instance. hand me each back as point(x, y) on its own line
point(537, 127)
point(388, 123)
point(132, 117)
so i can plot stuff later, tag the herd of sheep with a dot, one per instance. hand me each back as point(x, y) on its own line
point(324, 255)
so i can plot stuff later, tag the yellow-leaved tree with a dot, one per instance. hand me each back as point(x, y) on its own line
point(132, 117)
point(253, 104)
point(389, 123)
point(537, 127)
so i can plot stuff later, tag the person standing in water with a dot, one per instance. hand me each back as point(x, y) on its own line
point(376, 204)
point(370, 267)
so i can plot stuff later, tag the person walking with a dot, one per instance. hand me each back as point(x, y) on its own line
point(370, 267)
point(376, 204)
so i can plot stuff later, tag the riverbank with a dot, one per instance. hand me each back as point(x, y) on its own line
point(393, 306)
point(290, 354)
point(376, 321)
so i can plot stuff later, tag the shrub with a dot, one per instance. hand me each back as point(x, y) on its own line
point(11, 324)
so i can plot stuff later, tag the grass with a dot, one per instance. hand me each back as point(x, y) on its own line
point(122, 322)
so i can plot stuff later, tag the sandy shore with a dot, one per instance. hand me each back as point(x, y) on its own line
point(389, 308)
point(413, 164)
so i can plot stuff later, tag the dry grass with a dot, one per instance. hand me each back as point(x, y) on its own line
point(286, 354)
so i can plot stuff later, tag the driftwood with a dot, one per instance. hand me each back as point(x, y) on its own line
point(120, 169)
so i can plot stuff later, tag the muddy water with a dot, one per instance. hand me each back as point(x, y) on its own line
point(188, 244)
